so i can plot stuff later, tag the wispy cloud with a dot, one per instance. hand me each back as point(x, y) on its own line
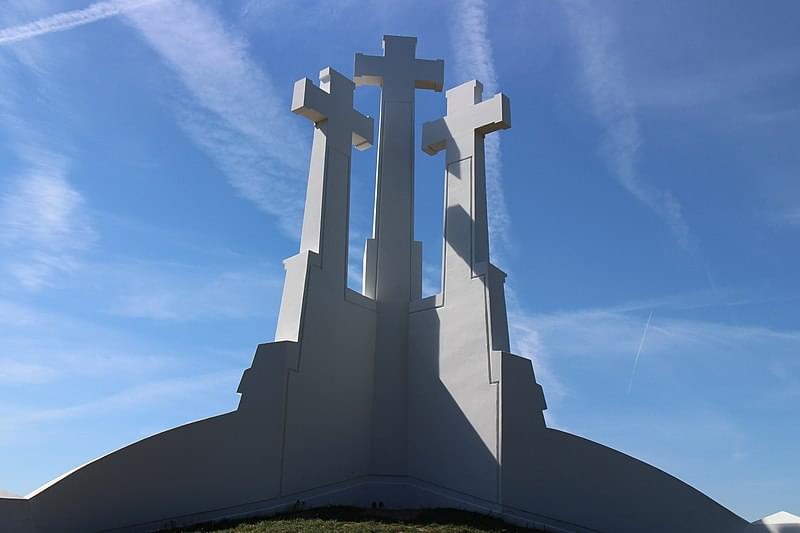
point(235, 114)
point(180, 292)
point(604, 331)
point(527, 341)
point(791, 217)
point(474, 60)
point(473, 47)
point(610, 334)
point(39, 363)
point(14, 371)
point(789, 116)
point(706, 360)
point(134, 397)
point(355, 258)
point(39, 347)
point(175, 399)
point(431, 279)
point(70, 19)
point(741, 86)
point(43, 223)
point(614, 105)
point(17, 316)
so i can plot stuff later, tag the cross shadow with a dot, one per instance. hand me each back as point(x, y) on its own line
point(476, 438)
point(539, 472)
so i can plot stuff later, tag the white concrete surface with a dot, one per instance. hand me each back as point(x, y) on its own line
point(781, 522)
point(390, 272)
point(381, 396)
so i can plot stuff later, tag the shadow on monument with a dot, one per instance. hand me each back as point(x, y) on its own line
point(540, 473)
point(476, 435)
point(472, 432)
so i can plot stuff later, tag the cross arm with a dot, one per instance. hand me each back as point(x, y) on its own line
point(429, 74)
point(493, 114)
point(363, 131)
point(434, 136)
point(309, 100)
point(368, 70)
point(482, 118)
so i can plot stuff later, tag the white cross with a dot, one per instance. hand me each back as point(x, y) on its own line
point(468, 120)
point(331, 108)
point(337, 127)
point(398, 71)
point(388, 268)
point(461, 133)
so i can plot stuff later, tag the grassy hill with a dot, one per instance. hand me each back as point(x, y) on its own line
point(351, 520)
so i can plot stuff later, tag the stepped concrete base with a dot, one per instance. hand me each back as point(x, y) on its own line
point(381, 396)
point(371, 491)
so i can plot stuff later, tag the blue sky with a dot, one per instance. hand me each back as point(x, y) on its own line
point(152, 180)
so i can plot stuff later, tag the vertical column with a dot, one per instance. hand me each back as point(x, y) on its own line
point(461, 132)
point(388, 278)
point(393, 232)
point(325, 219)
point(337, 127)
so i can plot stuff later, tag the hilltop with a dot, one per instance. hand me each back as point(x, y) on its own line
point(353, 520)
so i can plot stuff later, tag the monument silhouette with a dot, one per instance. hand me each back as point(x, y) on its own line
point(381, 397)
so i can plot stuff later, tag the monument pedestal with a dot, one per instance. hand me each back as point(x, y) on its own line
point(381, 398)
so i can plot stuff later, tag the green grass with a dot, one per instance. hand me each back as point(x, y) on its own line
point(352, 520)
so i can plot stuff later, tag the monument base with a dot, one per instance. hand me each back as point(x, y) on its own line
point(382, 398)
point(166, 481)
point(387, 492)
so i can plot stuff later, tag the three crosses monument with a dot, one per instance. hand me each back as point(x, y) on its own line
point(381, 396)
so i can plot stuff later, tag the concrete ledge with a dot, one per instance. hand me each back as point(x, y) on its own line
point(430, 302)
point(359, 299)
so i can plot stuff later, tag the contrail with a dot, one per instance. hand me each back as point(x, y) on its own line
point(474, 59)
point(70, 19)
point(639, 351)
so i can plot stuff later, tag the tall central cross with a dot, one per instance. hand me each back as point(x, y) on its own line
point(388, 258)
